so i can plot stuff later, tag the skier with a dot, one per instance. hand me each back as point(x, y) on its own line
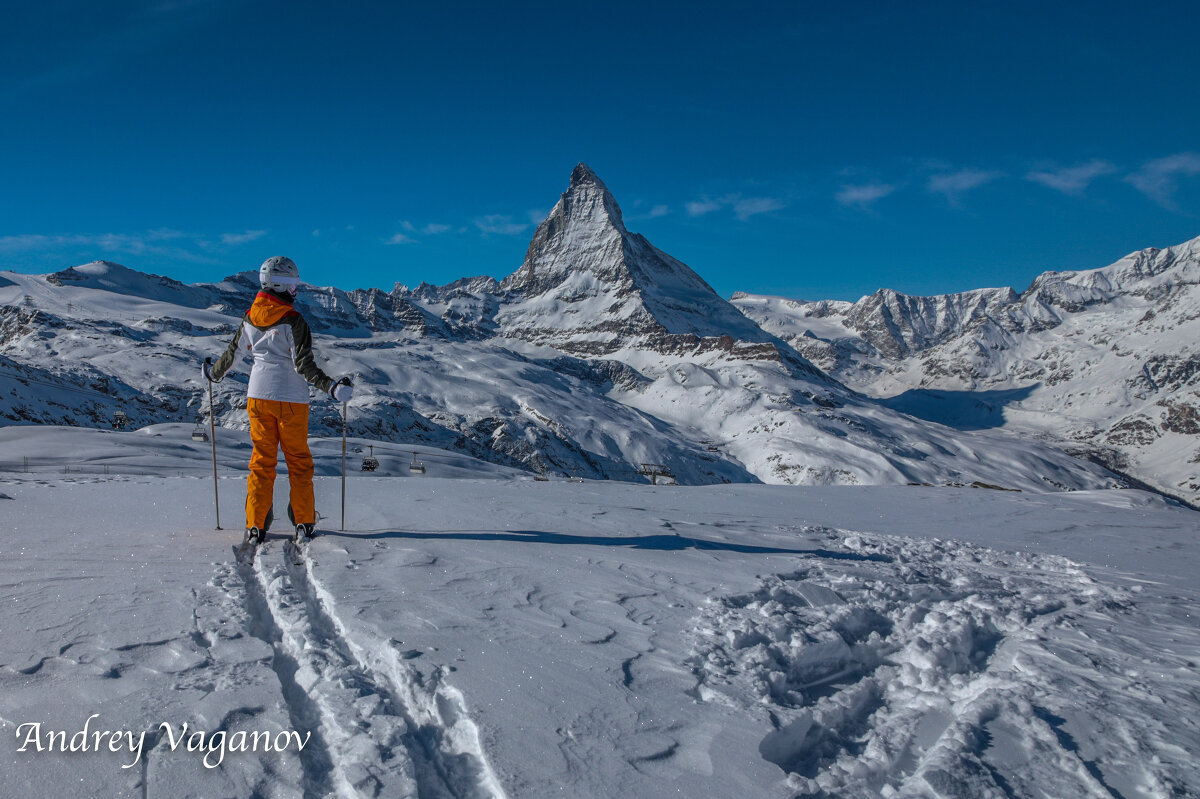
point(277, 337)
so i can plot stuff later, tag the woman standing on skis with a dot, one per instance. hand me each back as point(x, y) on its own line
point(276, 336)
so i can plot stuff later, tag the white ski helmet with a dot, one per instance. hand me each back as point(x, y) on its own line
point(279, 273)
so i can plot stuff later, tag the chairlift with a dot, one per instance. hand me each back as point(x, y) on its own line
point(656, 470)
point(416, 466)
point(119, 420)
point(199, 433)
point(369, 462)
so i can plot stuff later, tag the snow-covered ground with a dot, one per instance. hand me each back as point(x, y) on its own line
point(476, 633)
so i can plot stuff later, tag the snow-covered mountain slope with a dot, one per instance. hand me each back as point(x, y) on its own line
point(1107, 359)
point(599, 354)
point(505, 637)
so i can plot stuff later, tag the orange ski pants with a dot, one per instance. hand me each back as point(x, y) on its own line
point(273, 425)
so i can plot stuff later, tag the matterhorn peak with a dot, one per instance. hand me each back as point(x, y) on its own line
point(589, 285)
point(582, 173)
point(583, 178)
point(588, 201)
point(583, 232)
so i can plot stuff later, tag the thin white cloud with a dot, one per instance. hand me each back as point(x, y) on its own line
point(430, 229)
point(1159, 179)
point(32, 242)
point(704, 206)
point(953, 185)
point(743, 207)
point(500, 224)
point(162, 243)
point(654, 212)
point(235, 239)
point(1072, 179)
point(864, 195)
point(401, 238)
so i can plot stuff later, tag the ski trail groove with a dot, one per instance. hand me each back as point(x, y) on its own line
point(316, 759)
point(440, 737)
point(359, 739)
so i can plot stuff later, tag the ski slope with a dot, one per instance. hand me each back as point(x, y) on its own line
point(482, 634)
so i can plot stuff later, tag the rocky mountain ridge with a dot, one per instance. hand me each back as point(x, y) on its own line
point(1106, 358)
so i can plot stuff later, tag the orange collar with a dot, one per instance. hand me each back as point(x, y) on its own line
point(268, 310)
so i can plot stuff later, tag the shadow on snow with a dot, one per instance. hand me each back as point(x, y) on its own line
point(962, 410)
point(660, 542)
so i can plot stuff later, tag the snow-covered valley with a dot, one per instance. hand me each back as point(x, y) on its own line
point(487, 634)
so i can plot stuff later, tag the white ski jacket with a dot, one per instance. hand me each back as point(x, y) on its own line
point(278, 339)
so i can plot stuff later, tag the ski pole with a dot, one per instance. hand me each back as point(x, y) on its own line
point(212, 436)
point(345, 410)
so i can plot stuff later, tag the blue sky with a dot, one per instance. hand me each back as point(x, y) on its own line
point(811, 149)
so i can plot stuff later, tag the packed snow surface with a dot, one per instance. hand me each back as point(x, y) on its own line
point(482, 634)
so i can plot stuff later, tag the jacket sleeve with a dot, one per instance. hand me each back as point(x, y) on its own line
point(227, 358)
point(306, 363)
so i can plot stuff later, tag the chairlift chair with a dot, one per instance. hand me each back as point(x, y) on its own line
point(199, 433)
point(120, 421)
point(369, 462)
point(416, 466)
point(655, 471)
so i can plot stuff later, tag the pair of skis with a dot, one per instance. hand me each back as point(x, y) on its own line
point(294, 546)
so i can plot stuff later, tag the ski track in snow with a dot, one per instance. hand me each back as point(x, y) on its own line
point(933, 672)
point(378, 726)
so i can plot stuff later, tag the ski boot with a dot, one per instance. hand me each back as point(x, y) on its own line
point(304, 533)
point(254, 537)
point(250, 543)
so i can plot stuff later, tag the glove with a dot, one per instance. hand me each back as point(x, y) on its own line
point(342, 390)
point(206, 369)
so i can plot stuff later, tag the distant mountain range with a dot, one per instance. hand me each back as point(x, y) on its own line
point(1105, 360)
point(602, 353)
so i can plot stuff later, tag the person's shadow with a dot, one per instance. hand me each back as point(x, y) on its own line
point(659, 541)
